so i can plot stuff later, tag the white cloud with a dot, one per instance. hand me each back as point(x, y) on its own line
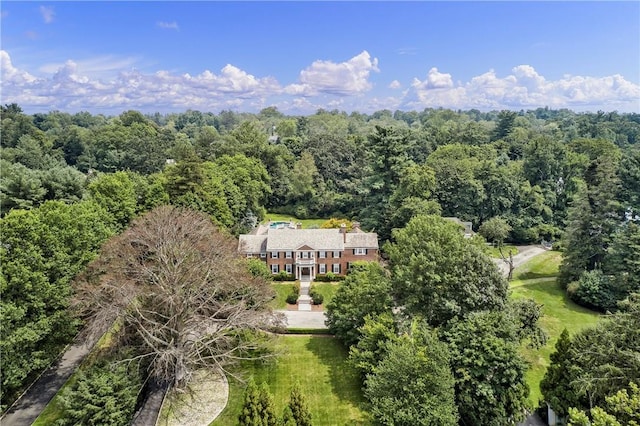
point(74, 86)
point(523, 88)
point(111, 84)
point(168, 25)
point(98, 66)
point(47, 14)
point(407, 51)
point(11, 75)
point(344, 78)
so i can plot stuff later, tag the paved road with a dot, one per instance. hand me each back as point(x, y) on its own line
point(302, 319)
point(27, 409)
point(525, 253)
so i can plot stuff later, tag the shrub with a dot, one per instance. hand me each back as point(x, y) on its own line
point(301, 212)
point(292, 298)
point(328, 277)
point(258, 268)
point(104, 394)
point(283, 276)
point(317, 297)
point(593, 290)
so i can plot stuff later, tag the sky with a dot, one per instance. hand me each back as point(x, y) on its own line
point(164, 56)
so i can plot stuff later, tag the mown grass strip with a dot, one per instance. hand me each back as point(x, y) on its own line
point(318, 364)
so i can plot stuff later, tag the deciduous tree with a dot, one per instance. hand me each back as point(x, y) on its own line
point(413, 384)
point(365, 291)
point(438, 273)
point(182, 295)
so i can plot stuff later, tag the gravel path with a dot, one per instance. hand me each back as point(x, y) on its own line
point(204, 402)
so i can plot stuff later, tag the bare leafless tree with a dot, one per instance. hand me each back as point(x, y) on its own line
point(179, 293)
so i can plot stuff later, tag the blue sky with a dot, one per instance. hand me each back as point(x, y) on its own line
point(107, 57)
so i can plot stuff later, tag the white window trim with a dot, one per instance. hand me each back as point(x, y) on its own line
point(305, 254)
point(288, 267)
point(275, 268)
point(288, 255)
point(359, 251)
point(334, 254)
point(322, 254)
point(322, 269)
point(274, 254)
point(335, 268)
point(263, 255)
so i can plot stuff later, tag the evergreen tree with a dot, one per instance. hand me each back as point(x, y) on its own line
point(258, 408)
point(250, 414)
point(267, 410)
point(104, 395)
point(299, 408)
point(287, 417)
point(556, 385)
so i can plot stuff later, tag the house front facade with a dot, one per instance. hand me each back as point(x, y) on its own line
point(309, 252)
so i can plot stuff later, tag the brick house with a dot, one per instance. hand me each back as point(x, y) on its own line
point(309, 252)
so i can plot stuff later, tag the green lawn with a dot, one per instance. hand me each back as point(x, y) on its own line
point(318, 364)
point(306, 223)
point(328, 290)
point(542, 266)
point(283, 289)
point(536, 280)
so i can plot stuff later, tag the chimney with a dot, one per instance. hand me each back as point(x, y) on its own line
point(355, 227)
point(343, 231)
point(299, 225)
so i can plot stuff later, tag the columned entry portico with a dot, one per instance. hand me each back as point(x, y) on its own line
point(305, 263)
point(305, 273)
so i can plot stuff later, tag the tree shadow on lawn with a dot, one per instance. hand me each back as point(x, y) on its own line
point(530, 275)
point(345, 382)
point(553, 290)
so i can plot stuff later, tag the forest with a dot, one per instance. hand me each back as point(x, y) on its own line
point(71, 182)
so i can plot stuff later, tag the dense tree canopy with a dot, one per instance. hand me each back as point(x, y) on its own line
point(438, 273)
point(365, 291)
point(413, 384)
point(42, 250)
point(596, 362)
point(543, 172)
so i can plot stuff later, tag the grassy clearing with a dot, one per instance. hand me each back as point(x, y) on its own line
point(283, 289)
point(306, 223)
point(328, 290)
point(318, 364)
point(544, 265)
point(535, 280)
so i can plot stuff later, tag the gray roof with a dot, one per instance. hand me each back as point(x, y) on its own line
point(252, 244)
point(361, 239)
point(316, 239)
point(291, 239)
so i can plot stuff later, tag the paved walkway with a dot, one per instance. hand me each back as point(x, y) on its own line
point(27, 409)
point(304, 300)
